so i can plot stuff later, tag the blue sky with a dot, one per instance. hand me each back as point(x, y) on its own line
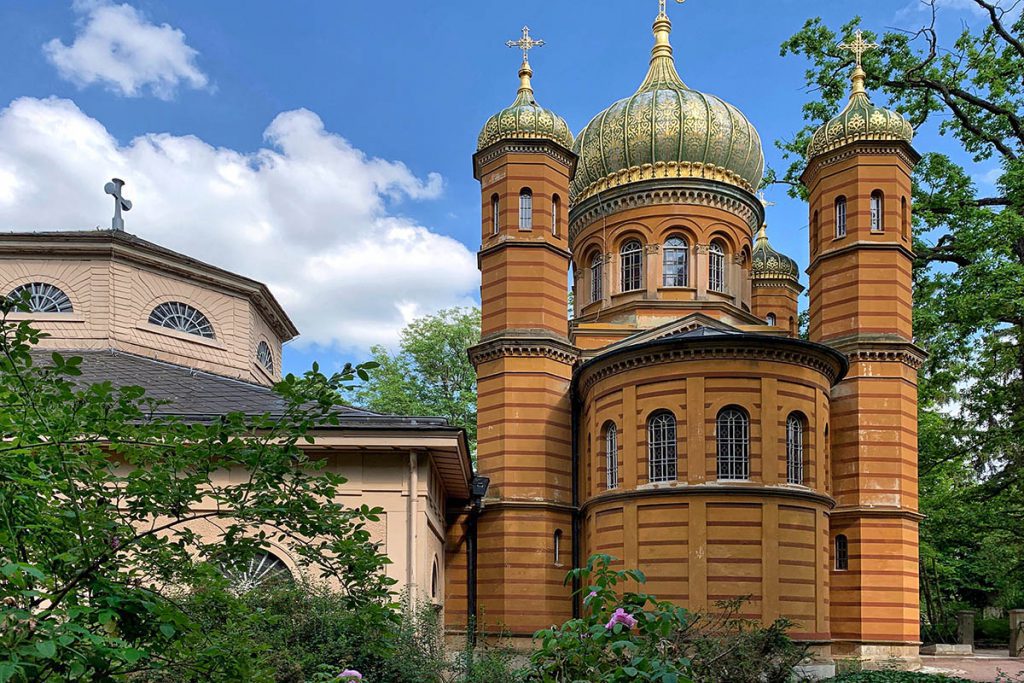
point(325, 147)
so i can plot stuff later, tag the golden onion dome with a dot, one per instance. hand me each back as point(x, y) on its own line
point(768, 264)
point(524, 119)
point(666, 130)
point(859, 121)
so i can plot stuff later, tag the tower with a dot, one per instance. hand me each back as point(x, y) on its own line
point(775, 285)
point(524, 364)
point(859, 179)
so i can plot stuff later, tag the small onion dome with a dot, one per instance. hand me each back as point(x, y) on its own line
point(768, 264)
point(524, 119)
point(666, 130)
point(859, 121)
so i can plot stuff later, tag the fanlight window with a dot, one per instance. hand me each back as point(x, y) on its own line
point(716, 268)
point(259, 570)
point(676, 264)
point(877, 212)
point(611, 455)
point(596, 278)
point(842, 553)
point(265, 357)
point(840, 217)
point(42, 298)
point(526, 209)
point(733, 436)
point(175, 315)
point(795, 449)
point(661, 447)
point(632, 265)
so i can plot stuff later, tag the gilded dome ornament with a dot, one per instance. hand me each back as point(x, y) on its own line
point(524, 119)
point(769, 264)
point(860, 120)
point(666, 130)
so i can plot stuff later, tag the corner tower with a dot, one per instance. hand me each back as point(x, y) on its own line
point(859, 179)
point(775, 285)
point(524, 364)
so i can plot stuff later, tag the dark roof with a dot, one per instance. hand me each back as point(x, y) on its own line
point(202, 396)
point(700, 332)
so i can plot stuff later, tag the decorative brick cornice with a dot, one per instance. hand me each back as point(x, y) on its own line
point(546, 147)
point(880, 350)
point(856, 246)
point(726, 347)
point(523, 346)
point(901, 149)
point(713, 489)
point(669, 191)
point(876, 512)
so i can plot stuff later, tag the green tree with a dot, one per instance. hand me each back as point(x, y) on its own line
point(430, 375)
point(969, 275)
point(98, 501)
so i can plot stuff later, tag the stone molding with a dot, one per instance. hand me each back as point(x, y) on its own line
point(662, 192)
point(859, 349)
point(713, 489)
point(505, 504)
point(854, 246)
point(901, 149)
point(503, 147)
point(521, 244)
point(559, 350)
point(863, 511)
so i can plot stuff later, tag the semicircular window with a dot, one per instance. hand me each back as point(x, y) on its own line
point(175, 315)
point(42, 298)
point(265, 357)
point(260, 570)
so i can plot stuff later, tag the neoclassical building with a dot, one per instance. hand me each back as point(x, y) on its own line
point(674, 419)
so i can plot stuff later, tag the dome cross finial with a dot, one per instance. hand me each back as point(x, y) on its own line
point(663, 7)
point(858, 46)
point(526, 43)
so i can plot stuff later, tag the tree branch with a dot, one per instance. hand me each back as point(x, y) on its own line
point(999, 27)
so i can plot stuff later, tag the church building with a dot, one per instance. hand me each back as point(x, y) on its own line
point(675, 419)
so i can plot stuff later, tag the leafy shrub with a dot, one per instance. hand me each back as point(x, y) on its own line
point(995, 631)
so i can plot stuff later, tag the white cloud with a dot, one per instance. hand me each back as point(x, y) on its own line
point(309, 214)
point(115, 46)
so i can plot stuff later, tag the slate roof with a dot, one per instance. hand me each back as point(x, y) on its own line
point(201, 396)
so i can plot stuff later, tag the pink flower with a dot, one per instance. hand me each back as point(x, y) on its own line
point(621, 616)
point(350, 675)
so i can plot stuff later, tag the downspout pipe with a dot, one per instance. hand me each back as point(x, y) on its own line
point(577, 524)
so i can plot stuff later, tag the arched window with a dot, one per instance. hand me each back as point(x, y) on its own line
point(632, 254)
point(261, 569)
point(840, 217)
point(815, 236)
point(661, 447)
point(265, 357)
point(771, 319)
point(676, 263)
point(716, 267)
point(905, 218)
point(526, 209)
point(42, 298)
point(558, 548)
point(795, 449)
point(733, 437)
point(596, 277)
point(495, 215)
point(877, 212)
point(435, 580)
point(556, 218)
point(611, 455)
point(842, 553)
point(175, 315)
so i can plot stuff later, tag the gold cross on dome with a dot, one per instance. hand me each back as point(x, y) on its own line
point(662, 6)
point(858, 46)
point(526, 43)
point(764, 200)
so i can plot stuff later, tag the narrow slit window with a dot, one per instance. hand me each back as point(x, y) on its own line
point(877, 212)
point(558, 548)
point(795, 449)
point(842, 553)
point(840, 218)
point(596, 278)
point(556, 216)
point(611, 455)
point(495, 215)
point(526, 209)
point(716, 268)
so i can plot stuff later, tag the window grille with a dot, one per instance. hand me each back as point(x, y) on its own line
point(526, 210)
point(611, 455)
point(841, 217)
point(733, 436)
point(42, 298)
point(795, 449)
point(175, 315)
point(265, 357)
point(632, 265)
point(842, 553)
point(716, 268)
point(676, 263)
point(661, 447)
point(261, 569)
point(596, 278)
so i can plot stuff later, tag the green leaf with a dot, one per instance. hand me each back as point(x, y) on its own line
point(46, 648)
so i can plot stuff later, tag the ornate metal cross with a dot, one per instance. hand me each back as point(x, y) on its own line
point(663, 9)
point(115, 188)
point(858, 46)
point(526, 43)
point(764, 199)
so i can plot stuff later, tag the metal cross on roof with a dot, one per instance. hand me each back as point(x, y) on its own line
point(663, 9)
point(858, 46)
point(764, 200)
point(115, 188)
point(526, 43)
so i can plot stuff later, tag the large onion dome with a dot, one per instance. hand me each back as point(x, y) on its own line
point(525, 119)
point(768, 264)
point(860, 121)
point(666, 130)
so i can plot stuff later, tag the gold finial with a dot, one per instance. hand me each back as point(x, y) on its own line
point(858, 46)
point(526, 43)
point(762, 233)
